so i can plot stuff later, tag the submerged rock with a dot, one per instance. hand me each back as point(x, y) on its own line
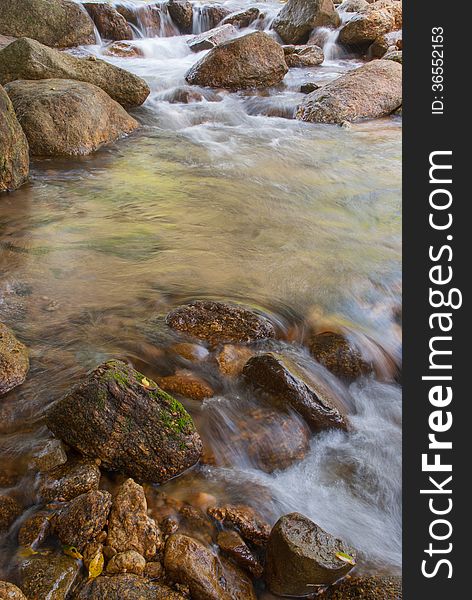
point(187, 384)
point(181, 12)
point(129, 527)
point(303, 56)
point(50, 456)
point(371, 91)
point(61, 117)
point(371, 22)
point(8, 591)
point(233, 546)
point(83, 518)
point(220, 322)
point(124, 587)
point(301, 555)
point(132, 427)
point(211, 38)
point(14, 361)
point(75, 477)
point(282, 382)
point(298, 18)
point(231, 359)
point(338, 355)
point(366, 588)
point(253, 60)
point(14, 170)
point(123, 50)
point(189, 562)
point(58, 23)
point(35, 528)
point(50, 576)
point(108, 21)
point(10, 510)
point(245, 520)
point(28, 59)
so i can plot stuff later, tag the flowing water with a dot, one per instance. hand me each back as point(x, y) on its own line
point(227, 199)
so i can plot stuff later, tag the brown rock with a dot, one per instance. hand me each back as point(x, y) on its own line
point(352, 5)
point(232, 544)
point(50, 456)
point(303, 56)
point(181, 12)
point(211, 38)
point(154, 570)
point(123, 50)
point(10, 510)
point(34, 529)
point(191, 352)
point(299, 17)
point(301, 555)
point(231, 359)
point(284, 384)
point(108, 21)
point(187, 384)
point(92, 552)
point(220, 322)
point(50, 576)
point(308, 87)
point(251, 61)
point(196, 524)
point(58, 23)
point(8, 591)
point(338, 355)
point(396, 56)
point(243, 18)
point(61, 117)
point(28, 59)
point(387, 42)
point(366, 588)
point(14, 361)
point(126, 562)
point(130, 528)
point(371, 22)
point(82, 519)
point(146, 17)
point(190, 563)
point(245, 520)
point(371, 91)
point(124, 587)
point(75, 477)
point(133, 428)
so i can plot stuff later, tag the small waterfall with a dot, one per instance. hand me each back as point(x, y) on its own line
point(201, 19)
point(147, 20)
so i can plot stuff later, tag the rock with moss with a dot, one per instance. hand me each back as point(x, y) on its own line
point(127, 421)
point(301, 555)
point(28, 59)
point(14, 361)
point(57, 23)
point(124, 587)
point(298, 18)
point(366, 588)
point(14, 170)
point(8, 591)
point(50, 576)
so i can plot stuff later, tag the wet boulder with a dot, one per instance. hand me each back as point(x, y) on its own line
point(303, 56)
point(211, 15)
point(50, 576)
point(8, 591)
point(243, 18)
point(220, 322)
point(51, 455)
point(126, 562)
point(371, 22)
point(108, 21)
point(371, 91)
point(244, 519)
point(211, 38)
point(10, 510)
point(73, 478)
point(189, 562)
point(14, 170)
point(123, 49)
point(129, 526)
point(34, 529)
point(82, 519)
point(61, 117)
point(351, 6)
point(28, 59)
point(181, 12)
point(335, 352)
point(385, 43)
point(127, 421)
point(365, 588)
point(301, 555)
point(124, 587)
point(298, 18)
point(251, 61)
point(57, 23)
point(234, 547)
point(396, 56)
point(231, 359)
point(309, 86)
point(14, 361)
point(145, 17)
point(283, 384)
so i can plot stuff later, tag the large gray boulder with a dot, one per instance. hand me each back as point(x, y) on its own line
point(61, 117)
point(58, 23)
point(28, 59)
point(371, 91)
point(251, 61)
point(298, 18)
point(14, 169)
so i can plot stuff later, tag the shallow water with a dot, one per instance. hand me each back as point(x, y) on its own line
point(220, 200)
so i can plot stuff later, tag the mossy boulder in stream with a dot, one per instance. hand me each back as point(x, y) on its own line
point(251, 61)
point(298, 18)
point(61, 117)
point(58, 23)
point(28, 59)
point(301, 555)
point(128, 422)
point(14, 361)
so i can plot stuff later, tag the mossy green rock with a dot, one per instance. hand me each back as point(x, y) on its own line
point(14, 156)
point(58, 23)
point(127, 422)
point(28, 59)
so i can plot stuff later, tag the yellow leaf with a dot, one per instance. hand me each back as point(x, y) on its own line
point(345, 558)
point(96, 565)
point(72, 551)
point(27, 551)
point(145, 382)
